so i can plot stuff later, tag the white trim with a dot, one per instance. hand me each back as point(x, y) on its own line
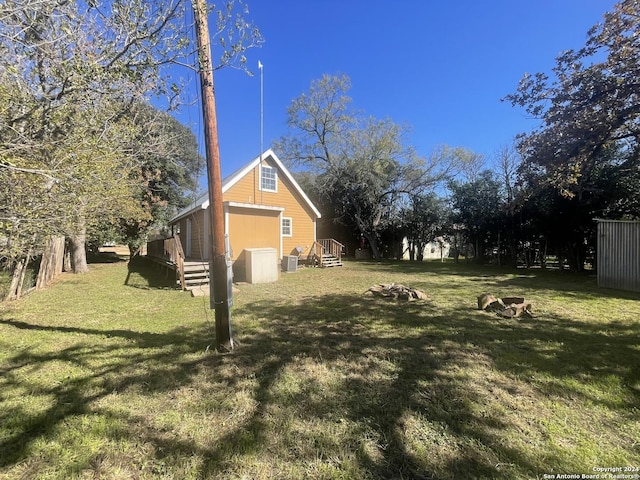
point(202, 202)
point(206, 233)
point(315, 230)
point(267, 156)
point(187, 246)
point(281, 242)
point(226, 219)
point(253, 206)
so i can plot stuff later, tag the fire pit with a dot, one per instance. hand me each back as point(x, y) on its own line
point(397, 291)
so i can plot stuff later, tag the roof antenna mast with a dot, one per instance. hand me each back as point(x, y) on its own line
point(261, 68)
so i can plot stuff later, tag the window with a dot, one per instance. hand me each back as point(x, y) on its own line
point(287, 226)
point(268, 179)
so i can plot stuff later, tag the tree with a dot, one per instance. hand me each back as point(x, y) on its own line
point(583, 161)
point(362, 165)
point(71, 73)
point(424, 220)
point(74, 69)
point(479, 209)
point(507, 163)
point(167, 168)
point(561, 224)
point(589, 105)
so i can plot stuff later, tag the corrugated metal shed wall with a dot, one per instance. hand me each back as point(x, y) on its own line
point(619, 254)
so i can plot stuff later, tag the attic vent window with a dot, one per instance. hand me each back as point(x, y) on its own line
point(268, 179)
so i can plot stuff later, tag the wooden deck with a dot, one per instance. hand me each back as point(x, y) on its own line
point(168, 253)
point(191, 273)
point(326, 252)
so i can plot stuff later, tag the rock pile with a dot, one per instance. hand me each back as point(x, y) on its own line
point(396, 290)
point(508, 307)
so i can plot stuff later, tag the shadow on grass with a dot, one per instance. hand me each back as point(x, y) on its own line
point(112, 367)
point(145, 274)
point(583, 285)
point(421, 385)
point(396, 361)
point(142, 339)
point(106, 257)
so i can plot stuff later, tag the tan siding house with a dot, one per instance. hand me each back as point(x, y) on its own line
point(263, 206)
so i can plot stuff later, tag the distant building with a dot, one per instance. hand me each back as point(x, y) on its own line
point(432, 251)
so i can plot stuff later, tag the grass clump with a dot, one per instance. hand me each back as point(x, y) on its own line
point(109, 375)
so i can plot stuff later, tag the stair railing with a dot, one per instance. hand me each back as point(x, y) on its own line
point(316, 252)
point(179, 259)
point(332, 247)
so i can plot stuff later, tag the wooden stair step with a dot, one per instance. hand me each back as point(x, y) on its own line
point(196, 268)
point(196, 274)
point(329, 260)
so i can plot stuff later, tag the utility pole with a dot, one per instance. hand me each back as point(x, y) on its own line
point(218, 275)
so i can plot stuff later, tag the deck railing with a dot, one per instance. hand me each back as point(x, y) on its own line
point(170, 250)
point(331, 247)
point(315, 254)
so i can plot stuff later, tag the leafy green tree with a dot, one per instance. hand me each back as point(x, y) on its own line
point(479, 209)
point(583, 162)
point(589, 105)
point(564, 225)
point(74, 69)
point(167, 169)
point(424, 220)
point(71, 74)
point(361, 165)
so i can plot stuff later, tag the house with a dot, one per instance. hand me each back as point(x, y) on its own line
point(433, 250)
point(264, 207)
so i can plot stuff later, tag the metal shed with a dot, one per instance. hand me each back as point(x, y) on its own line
point(619, 254)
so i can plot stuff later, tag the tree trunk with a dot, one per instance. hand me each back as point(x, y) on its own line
point(419, 250)
point(543, 255)
point(476, 252)
point(134, 251)
point(77, 248)
point(373, 243)
point(66, 263)
point(456, 248)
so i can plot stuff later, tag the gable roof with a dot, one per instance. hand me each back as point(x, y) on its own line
point(202, 202)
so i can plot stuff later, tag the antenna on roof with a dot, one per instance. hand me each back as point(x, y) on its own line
point(261, 68)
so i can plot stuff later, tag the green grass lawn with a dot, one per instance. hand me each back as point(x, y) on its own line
point(112, 375)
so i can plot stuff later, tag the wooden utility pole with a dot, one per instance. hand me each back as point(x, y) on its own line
point(218, 276)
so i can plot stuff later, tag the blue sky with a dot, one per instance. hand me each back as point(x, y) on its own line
point(440, 67)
